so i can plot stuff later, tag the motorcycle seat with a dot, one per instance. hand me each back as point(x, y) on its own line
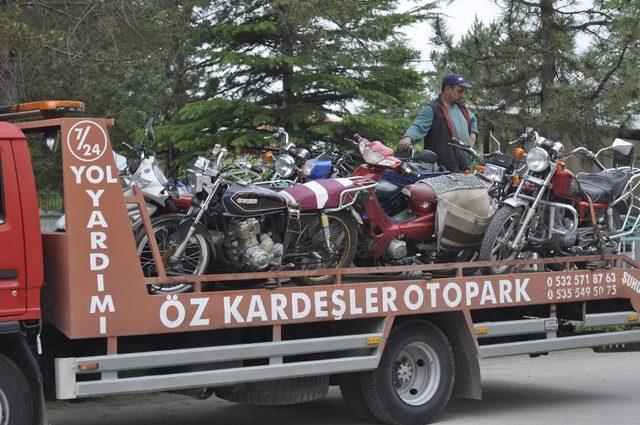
point(318, 194)
point(385, 189)
point(604, 186)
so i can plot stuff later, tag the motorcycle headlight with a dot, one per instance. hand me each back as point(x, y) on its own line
point(302, 153)
point(285, 165)
point(162, 179)
point(537, 160)
point(195, 179)
point(494, 172)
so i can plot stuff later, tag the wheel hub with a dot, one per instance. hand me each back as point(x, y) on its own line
point(404, 372)
point(417, 373)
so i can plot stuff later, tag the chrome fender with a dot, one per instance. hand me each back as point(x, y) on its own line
point(516, 202)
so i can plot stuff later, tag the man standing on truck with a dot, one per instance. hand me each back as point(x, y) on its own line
point(443, 120)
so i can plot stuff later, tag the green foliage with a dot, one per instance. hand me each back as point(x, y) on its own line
point(290, 63)
point(569, 72)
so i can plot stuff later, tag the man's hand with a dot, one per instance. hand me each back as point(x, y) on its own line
point(404, 144)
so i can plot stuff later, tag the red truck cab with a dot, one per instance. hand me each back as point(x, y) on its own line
point(21, 263)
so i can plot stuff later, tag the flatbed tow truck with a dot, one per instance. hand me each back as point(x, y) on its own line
point(77, 319)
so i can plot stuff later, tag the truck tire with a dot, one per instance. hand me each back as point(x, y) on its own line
point(278, 392)
point(415, 377)
point(16, 404)
point(351, 390)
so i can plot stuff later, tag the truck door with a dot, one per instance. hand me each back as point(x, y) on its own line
point(13, 295)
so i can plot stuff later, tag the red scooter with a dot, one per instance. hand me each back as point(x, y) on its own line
point(400, 220)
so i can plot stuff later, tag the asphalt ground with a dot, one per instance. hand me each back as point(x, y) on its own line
point(572, 387)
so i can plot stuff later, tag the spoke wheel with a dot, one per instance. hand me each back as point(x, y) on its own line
point(310, 249)
point(495, 244)
point(193, 261)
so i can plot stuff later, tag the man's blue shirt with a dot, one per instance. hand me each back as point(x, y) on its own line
point(422, 124)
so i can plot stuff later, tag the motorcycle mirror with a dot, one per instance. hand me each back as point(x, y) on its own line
point(491, 126)
point(51, 140)
point(148, 130)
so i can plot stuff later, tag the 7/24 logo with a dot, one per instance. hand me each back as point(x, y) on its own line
point(87, 141)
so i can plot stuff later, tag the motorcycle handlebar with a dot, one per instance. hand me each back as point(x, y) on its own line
point(464, 147)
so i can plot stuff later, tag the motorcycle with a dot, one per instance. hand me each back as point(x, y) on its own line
point(293, 165)
point(161, 195)
point(497, 169)
point(331, 160)
point(234, 226)
point(556, 213)
point(400, 220)
point(289, 160)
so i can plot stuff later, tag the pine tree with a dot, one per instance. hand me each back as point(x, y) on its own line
point(531, 67)
point(290, 63)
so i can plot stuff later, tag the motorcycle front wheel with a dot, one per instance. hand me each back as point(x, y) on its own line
point(495, 244)
point(193, 261)
point(310, 250)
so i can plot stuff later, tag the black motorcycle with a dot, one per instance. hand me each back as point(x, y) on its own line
point(236, 227)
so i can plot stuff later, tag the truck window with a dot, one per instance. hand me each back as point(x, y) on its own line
point(48, 183)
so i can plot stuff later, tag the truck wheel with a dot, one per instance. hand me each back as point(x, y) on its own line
point(351, 390)
point(16, 405)
point(278, 392)
point(415, 377)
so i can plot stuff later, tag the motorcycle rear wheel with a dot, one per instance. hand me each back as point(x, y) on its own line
point(502, 229)
point(344, 242)
point(194, 260)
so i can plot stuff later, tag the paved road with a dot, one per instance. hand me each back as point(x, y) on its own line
point(562, 388)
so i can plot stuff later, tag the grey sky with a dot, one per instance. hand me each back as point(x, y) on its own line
point(460, 16)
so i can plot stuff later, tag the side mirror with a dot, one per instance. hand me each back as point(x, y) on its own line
point(51, 140)
point(148, 130)
point(491, 126)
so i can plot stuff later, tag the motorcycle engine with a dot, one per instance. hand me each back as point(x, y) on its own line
point(255, 249)
point(571, 234)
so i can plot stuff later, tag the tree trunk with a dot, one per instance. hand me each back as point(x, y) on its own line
point(8, 77)
point(178, 64)
point(547, 33)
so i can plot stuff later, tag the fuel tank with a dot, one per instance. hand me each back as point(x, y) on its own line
point(251, 200)
point(422, 198)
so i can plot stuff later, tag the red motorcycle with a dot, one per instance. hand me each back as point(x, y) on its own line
point(556, 213)
point(399, 221)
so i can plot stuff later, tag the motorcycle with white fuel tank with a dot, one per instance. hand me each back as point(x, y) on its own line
point(556, 213)
point(159, 195)
point(234, 226)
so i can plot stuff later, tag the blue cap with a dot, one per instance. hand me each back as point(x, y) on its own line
point(453, 79)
